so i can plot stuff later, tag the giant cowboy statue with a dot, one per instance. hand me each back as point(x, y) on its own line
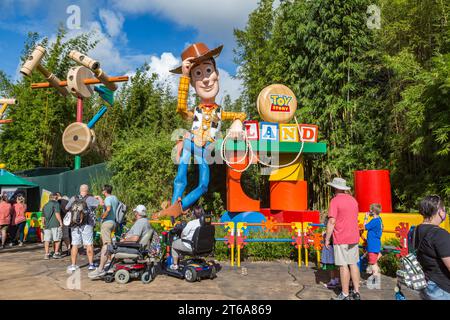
point(199, 69)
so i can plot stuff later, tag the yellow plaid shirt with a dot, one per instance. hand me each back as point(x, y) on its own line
point(182, 107)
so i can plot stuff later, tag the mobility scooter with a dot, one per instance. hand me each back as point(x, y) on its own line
point(194, 268)
point(133, 260)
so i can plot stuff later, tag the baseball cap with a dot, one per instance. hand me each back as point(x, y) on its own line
point(141, 209)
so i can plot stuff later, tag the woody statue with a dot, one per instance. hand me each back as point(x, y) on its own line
point(198, 69)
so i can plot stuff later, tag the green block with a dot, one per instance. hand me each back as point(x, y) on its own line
point(268, 146)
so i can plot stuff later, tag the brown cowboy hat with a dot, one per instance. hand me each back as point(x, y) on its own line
point(200, 52)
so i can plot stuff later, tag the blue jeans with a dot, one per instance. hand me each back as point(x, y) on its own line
point(20, 230)
point(433, 292)
point(180, 183)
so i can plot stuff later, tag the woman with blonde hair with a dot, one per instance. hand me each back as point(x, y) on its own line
point(19, 219)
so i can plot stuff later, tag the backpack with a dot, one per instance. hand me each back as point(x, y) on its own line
point(410, 273)
point(78, 213)
point(121, 210)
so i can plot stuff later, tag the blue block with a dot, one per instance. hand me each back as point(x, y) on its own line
point(249, 217)
point(268, 131)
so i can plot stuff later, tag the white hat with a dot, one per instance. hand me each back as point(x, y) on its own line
point(339, 183)
point(141, 210)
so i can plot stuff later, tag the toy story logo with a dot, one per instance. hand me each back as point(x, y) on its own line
point(280, 103)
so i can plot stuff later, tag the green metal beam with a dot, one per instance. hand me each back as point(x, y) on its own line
point(268, 146)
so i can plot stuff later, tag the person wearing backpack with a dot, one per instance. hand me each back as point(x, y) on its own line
point(81, 217)
point(51, 220)
point(432, 245)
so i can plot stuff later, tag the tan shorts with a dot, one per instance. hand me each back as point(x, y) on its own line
point(4, 227)
point(346, 254)
point(106, 231)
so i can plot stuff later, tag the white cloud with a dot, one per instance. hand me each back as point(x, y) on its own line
point(212, 19)
point(197, 13)
point(113, 22)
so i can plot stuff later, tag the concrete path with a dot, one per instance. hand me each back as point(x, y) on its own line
point(25, 275)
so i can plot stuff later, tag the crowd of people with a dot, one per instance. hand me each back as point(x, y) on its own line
point(340, 255)
point(12, 219)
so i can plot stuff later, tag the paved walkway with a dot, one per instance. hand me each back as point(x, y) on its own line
point(25, 275)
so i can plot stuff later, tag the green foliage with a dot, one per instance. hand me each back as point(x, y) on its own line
point(266, 251)
point(395, 242)
point(379, 97)
point(40, 117)
point(389, 264)
point(142, 168)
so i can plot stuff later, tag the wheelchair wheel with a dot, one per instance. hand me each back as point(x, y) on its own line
point(122, 276)
point(148, 276)
point(109, 278)
point(213, 273)
point(190, 274)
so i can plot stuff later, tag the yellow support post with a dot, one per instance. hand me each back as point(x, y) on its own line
point(3, 109)
point(240, 227)
point(318, 258)
point(306, 256)
point(230, 226)
point(297, 226)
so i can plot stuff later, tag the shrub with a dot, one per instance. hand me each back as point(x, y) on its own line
point(266, 251)
point(389, 264)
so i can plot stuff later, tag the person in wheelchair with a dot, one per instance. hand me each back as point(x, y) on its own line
point(183, 245)
point(131, 244)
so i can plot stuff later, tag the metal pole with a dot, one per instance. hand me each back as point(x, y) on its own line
point(79, 119)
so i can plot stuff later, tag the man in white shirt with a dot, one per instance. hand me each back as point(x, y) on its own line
point(186, 234)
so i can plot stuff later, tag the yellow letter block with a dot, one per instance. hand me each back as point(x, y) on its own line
point(288, 133)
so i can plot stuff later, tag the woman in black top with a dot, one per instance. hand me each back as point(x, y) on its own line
point(433, 249)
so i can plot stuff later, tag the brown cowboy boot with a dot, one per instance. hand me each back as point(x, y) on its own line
point(174, 210)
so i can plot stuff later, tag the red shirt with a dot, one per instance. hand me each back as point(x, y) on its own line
point(5, 213)
point(19, 210)
point(344, 208)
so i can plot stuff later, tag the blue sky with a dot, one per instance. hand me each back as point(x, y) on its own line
point(131, 31)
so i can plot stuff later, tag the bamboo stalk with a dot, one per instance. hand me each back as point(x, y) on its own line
point(43, 85)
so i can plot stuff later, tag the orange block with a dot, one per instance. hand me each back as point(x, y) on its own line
point(289, 195)
point(237, 200)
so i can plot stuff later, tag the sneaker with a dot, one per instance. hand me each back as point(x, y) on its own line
point(331, 285)
point(341, 297)
point(96, 274)
point(11, 244)
point(173, 267)
point(46, 256)
point(20, 244)
point(356, 296)
point(57, 256)
point(72, 268)
point(92, 267)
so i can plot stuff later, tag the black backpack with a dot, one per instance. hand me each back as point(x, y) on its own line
point(79, 212)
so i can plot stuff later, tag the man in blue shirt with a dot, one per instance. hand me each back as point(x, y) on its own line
point(374, 232)
point(108, 217)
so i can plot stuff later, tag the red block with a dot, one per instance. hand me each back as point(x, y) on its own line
point(287, 216)
point(373, 186)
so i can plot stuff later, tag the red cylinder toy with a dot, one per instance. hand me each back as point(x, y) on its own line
point(289, 195)
point(373, 186)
